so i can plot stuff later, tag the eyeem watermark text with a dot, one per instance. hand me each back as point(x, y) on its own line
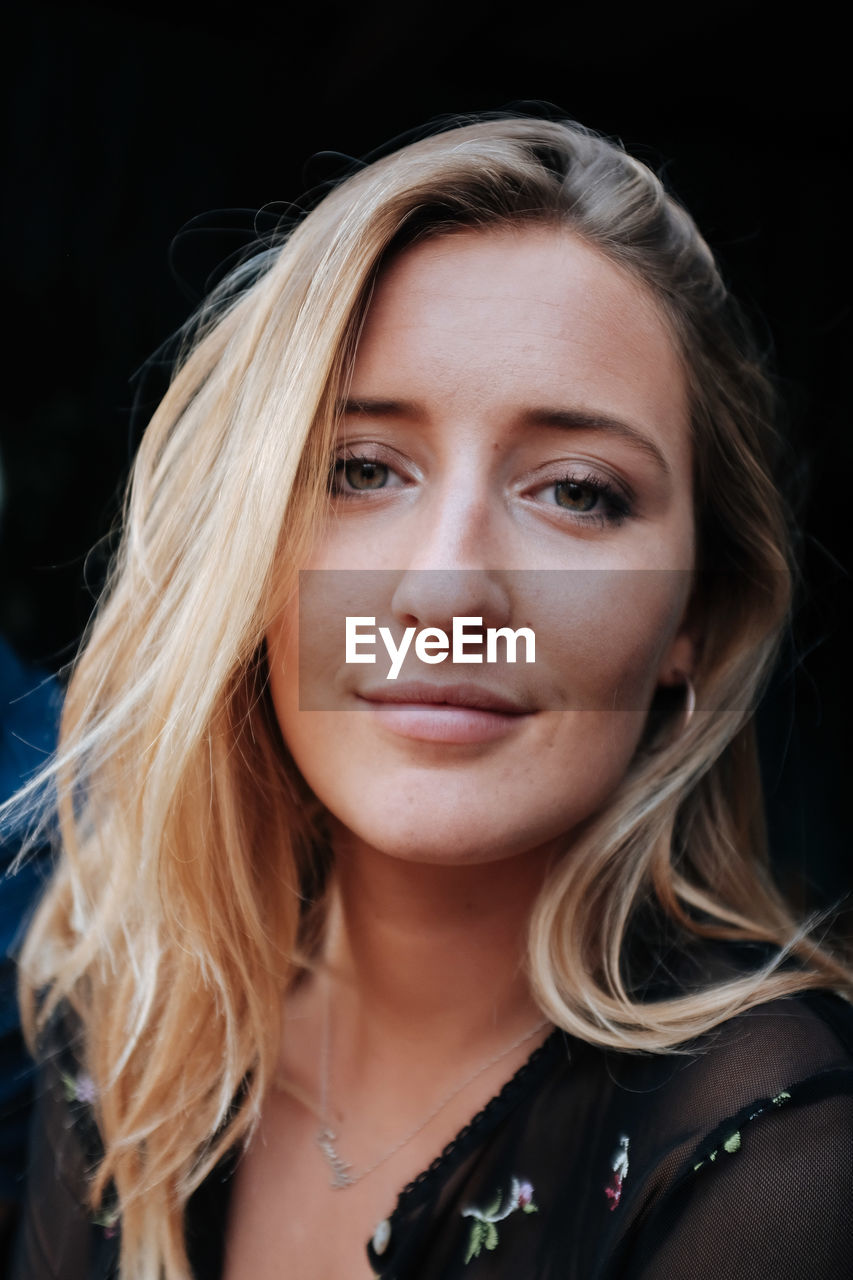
point(433, 645)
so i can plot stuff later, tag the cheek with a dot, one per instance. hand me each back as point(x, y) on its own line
point(603, 635)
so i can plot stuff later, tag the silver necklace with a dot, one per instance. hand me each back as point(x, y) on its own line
point(342, 1173)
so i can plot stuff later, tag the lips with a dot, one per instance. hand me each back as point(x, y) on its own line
point(461, 715)
point(474, 696)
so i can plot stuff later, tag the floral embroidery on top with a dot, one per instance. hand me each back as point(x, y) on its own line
point(613, 1190)
point(732, 1143)
point(484, 1231)
point(108, 1219)
point(79, 1088)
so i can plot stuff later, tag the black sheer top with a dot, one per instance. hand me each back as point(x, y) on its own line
point(734, 1162)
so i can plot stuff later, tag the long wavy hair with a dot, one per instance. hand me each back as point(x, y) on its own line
point(192, 876)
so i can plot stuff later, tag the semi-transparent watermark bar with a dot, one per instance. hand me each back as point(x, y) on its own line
point(539, 639)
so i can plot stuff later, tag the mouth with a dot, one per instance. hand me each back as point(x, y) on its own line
point(462, 713)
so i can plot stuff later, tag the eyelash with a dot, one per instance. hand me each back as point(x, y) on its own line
point(617, 507)
point(616, 504)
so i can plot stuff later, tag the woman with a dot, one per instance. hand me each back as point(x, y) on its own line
point(310, 919)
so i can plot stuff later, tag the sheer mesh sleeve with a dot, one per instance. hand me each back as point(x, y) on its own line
point(59, 1237)
point(768, 1197)
point(53, 1241)
point(748, 1154)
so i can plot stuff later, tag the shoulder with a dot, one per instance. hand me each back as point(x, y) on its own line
point(772, 1045)
point(741, 1148)
point(781, 1055)
point(61, 1237)
point(770, 1048)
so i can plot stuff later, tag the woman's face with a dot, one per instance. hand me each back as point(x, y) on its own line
point(514, 447)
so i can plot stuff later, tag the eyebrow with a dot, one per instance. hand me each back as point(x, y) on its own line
point(563, 419)
point(590, 420)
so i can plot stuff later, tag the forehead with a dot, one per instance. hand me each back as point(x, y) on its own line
point(505, 317)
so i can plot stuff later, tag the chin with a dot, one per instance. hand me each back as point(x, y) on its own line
point(424, 839)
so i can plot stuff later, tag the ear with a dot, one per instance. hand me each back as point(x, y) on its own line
point(682, 656)
point(679, 660)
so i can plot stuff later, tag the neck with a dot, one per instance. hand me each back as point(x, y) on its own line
point(432, 953)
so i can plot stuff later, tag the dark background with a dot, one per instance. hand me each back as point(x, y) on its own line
point(130, 126)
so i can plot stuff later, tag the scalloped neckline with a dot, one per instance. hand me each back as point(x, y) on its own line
point(480, 1121)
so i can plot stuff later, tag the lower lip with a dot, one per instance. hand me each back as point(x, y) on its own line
point(438, 722)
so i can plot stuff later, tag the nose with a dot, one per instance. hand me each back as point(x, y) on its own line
point(451, 566)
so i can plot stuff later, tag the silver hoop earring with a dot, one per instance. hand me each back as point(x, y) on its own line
point(689, 702)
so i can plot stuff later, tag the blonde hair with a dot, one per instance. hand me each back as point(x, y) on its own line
point(191, 850)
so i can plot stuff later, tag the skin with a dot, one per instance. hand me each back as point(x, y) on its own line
point(473, 335)
point(488, 363)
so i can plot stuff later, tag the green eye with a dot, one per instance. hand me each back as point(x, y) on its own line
point(363, 474)
point(575, 496)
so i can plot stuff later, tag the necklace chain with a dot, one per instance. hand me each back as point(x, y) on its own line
point(342, 1173)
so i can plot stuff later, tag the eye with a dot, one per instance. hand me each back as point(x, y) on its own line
point(362, 473)
point(587, 499)
point(578, 497)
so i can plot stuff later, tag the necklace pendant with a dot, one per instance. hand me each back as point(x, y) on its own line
point(341, 1176)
